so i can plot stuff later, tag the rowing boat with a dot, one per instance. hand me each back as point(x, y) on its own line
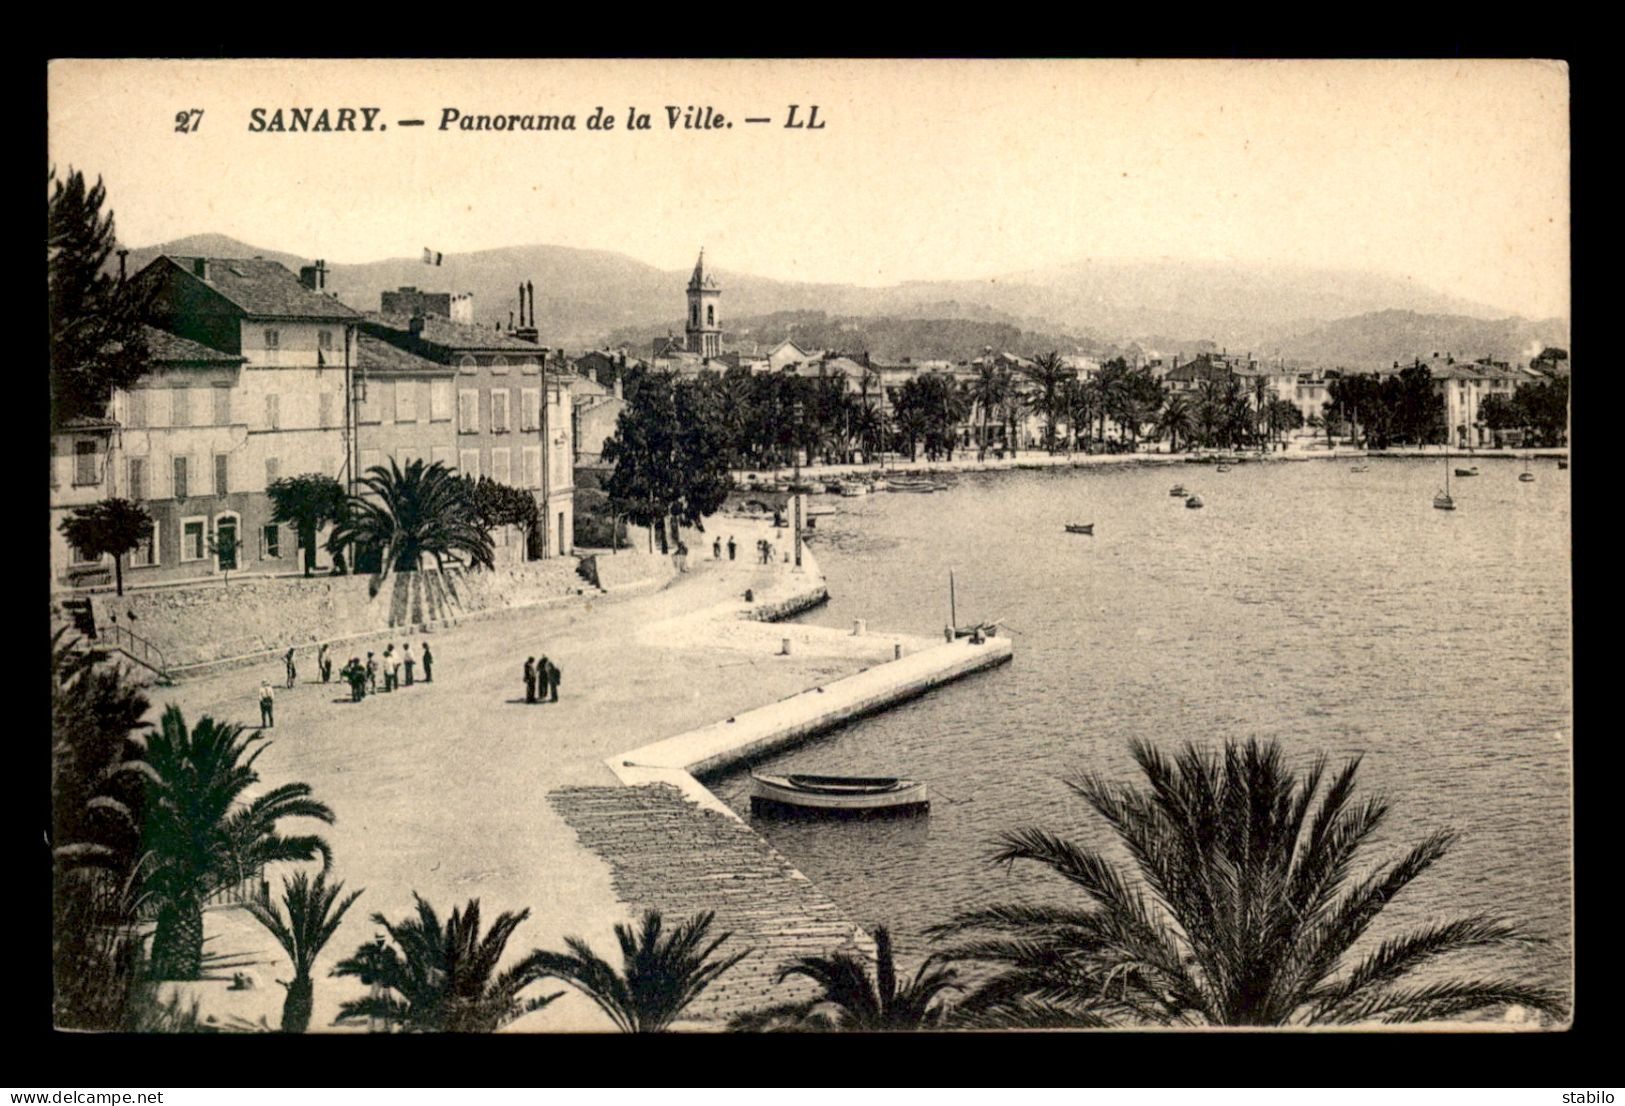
point(1080, 528)
point(836, 794)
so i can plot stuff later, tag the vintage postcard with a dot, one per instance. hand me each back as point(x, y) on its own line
point(821, 545)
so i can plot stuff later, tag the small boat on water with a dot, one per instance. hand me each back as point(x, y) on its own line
point(1358, 468)
point(796, 793)
point(1443, 501)
point(1222, 468)
point(1562, 464)
point(851, 490)
point(1468, 472)
point(922, 487)
point(1194, 502)
point(1526, 478)
point(1178, 489)
point(1080, 528)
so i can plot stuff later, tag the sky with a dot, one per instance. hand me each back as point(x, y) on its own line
point(1454, 173)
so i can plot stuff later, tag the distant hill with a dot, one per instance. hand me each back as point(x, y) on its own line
point(1380, 338)
point(587, 296)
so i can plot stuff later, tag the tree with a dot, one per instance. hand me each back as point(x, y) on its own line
point(671, 452)
point(1049, 374)
point(307, 503)
point(660, 973)
point(1175, 421)
point(404, 514)
point(1284, 417)
point(111, 526)
point(435, 978)
point(202, 832)
point(1243, 912)
point(314, 913)
point(98, 341)
point(96, 811)
point(497, 505)
point(989, 393)
point(851, 998)
point(223, 546)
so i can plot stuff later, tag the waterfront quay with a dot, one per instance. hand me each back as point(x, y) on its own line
point(458, 789)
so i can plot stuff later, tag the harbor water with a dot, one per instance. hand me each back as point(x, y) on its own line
point(1335, 612)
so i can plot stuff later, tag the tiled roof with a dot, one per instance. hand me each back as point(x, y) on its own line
point(174, 350)
point(264, 289)
point(373, 354)
point(441, 331)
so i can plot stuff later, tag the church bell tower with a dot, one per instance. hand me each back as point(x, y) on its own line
point(703, 326)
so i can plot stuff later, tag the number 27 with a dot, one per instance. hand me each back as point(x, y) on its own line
point(188, 121)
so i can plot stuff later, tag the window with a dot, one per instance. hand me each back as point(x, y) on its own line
point(145, 555)
point(324, 339)
point(441, 454)
point(530, 405)
point(138, 478)
point(406, 401)
point(710, 315)
point(270, 543)
point(499, 364)
point(222, 405)
point(192, 539)
point(180, 477)
point(221, 466)
point(468, 411)
point(532, 457)
point(375, 399)
point(468, 461)
point(80, 557)
point(135, 410)
point(440, 401)
point(181, 401)
point(501, 466)
point(528, 365)
point(694, 314)
point(324, 408)
point(273, 411)
point(273, 470)
point(499, 410)
point(273, 340)
point(467, 363)
point(84, 464)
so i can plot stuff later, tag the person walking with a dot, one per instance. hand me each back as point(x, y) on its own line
point(287, 659)
point(542, 672)
point(716, 549)
point(428, 664)
point(324, 663)
point(392, 667)
point(530, 679)
point(267, 702)
point(731, 547)
point(372, 674)
point(357, 675)
point(410, 663)
point(553, 680)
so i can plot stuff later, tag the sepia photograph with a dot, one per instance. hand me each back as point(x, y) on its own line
point(608, 546)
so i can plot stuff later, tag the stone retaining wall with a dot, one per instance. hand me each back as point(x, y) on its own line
point(667, 853)
point(199, 625)
point(611, 571)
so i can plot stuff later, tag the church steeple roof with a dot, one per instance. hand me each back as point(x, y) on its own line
point(699, 281)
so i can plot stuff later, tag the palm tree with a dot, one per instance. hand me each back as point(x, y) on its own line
point(1260, 402)
point(660, 973)
point(855, 999)
point(307, 503)
point(1175, 421)
point(988, 392)
point(110, 527)
point(423, 509)
point(1049, 375)
point(1253, 907)
point(312, 920)
point(442, 978)
point(201, 836)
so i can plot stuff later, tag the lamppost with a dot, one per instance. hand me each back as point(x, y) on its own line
point(795, 487)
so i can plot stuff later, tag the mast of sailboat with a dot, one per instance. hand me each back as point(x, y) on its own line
point(953, 611)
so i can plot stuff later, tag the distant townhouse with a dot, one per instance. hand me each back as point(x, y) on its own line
point(82, 473)
point(491, 403)
point(247, 386)
point(1465, 385)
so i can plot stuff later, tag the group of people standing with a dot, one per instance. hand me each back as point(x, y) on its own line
point(541, 678)
point(362, 676)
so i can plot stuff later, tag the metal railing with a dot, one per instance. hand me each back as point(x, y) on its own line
point(134, 646)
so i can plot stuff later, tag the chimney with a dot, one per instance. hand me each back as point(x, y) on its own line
point(200, 268)
point(416, 325)
point(122, 254)
point(531, 290)
point(617, 385)
point(314, 276)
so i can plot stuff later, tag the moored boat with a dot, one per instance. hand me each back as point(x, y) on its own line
point(1526, 477)
point(918, 486)
point(1193, 502)
point(1358, 468)
point(1562, 464)
point(1468, 472)
point(810, 794)
point(850, 490)
point(1222, 468)
point(1080, 528)
point(1178, 489)
point(1444, 502)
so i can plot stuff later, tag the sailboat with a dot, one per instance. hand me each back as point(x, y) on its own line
point(1442, 500)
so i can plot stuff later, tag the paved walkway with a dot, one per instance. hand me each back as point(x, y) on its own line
point(442, 788)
